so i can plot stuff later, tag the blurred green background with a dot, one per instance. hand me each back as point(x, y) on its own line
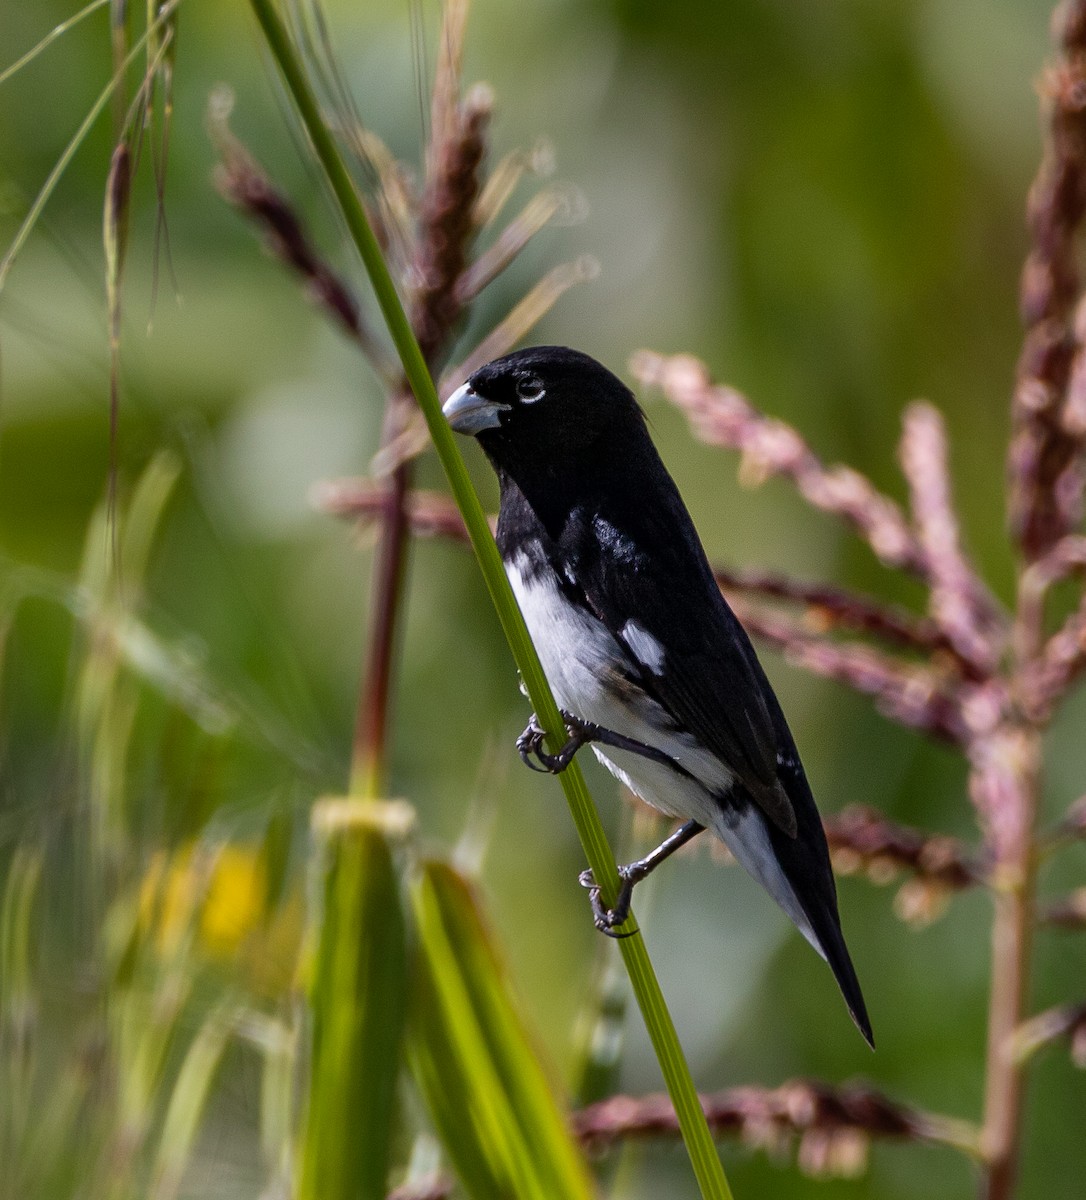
point(825, 202)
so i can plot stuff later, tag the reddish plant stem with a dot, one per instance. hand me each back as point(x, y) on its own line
point(1006, 786)
point(454, 159)
point(1005, 1082)
point(862, 838)
point(368, 753)
point(831, 608)
point(1063, 1021)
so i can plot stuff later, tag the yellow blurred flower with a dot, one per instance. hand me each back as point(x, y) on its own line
point(233, 908)
point(215, 899)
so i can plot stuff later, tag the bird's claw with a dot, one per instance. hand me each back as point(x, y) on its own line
point(530, 744)
point(605, 919)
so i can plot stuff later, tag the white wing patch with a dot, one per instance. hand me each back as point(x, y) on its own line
point(646, 649)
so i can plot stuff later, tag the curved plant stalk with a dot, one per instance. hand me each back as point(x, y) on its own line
point(646, 987)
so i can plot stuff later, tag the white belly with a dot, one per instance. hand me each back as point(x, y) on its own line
point(580, 656)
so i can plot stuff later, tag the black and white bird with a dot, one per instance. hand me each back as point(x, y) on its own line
point(642, 652)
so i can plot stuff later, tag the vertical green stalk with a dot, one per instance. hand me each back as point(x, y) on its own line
point(646, 987)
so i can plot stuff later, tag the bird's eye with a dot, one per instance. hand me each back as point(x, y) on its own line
point(530, 389)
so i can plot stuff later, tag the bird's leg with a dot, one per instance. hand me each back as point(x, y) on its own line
point(605, 919)
point(530, 745)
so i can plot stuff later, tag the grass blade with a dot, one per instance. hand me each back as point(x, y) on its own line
point(357, 1002)
point(477, 1067)
point(188, 1101)
point(56, 32)
point(61, 165)
point(18, 1002)
point(115, 245)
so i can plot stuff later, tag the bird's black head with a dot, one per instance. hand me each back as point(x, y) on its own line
point(543, 407)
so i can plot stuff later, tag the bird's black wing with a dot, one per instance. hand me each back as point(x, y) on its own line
point(699, 665)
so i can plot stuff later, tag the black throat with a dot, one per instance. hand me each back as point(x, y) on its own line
point(554, 509)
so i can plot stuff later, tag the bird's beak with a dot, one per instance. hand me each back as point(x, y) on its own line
point(468, 412)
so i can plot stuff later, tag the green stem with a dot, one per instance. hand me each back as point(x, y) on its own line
point(646, 987)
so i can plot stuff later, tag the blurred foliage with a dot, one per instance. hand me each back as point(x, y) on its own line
point(824, 202)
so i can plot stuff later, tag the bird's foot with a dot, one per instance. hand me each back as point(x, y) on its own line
point(530, 744)
point(607, 919)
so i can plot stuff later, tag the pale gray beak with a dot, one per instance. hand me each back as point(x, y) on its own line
point(468, 412)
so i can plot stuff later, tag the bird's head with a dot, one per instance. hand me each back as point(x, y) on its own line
point(543, 406)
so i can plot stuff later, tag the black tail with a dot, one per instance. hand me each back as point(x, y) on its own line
point(805, 862)
point(831, 943)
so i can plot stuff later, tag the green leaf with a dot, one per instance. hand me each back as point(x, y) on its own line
point(358, 998)
point(18, 1002)
point(188, 1100)
point(478, 1068)
point(143, 519)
